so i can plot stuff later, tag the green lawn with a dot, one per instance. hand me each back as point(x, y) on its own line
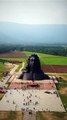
point(12, 115)
point(64, 100)
point(12, 59)
point(39, 116)
point(62, 84)
point(2, 69)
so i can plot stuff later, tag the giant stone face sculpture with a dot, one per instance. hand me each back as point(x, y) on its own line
point(33, 70)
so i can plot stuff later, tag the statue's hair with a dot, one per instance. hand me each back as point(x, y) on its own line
point(33, 70)
point(36, 67)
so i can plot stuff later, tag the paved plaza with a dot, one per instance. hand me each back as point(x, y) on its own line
point(35, 100)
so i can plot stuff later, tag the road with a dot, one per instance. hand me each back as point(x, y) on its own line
point(5, 79)
point(13, 70)
point(23, 65)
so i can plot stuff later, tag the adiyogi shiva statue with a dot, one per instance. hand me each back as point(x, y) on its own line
point(33, 70)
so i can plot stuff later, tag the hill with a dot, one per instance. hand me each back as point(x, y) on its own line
point(14, 33)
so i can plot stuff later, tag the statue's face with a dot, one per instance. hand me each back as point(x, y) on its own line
point(32, 60)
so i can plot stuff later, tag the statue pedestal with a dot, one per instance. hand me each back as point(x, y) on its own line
point(33, 84)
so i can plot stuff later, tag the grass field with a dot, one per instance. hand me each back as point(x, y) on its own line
point(2, 69)
point(12, 59)
point(62, 84)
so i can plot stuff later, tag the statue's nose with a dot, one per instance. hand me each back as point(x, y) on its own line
point(31, 62)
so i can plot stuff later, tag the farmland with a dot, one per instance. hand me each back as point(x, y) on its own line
point(44, 58)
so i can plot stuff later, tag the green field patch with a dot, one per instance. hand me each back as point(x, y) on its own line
point(39, 116)
point(12, 59)
point(61, 84)
point(20, 65)
point(12, 115)
point(65, 75)
point(64, 100)
point(60, 115)
point(2, 69)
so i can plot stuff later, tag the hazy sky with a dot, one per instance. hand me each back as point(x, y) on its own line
point(34, 11)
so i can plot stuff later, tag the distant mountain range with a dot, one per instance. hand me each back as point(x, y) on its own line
point(15, 33)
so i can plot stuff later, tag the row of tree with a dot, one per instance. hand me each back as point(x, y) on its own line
point(53, 50)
